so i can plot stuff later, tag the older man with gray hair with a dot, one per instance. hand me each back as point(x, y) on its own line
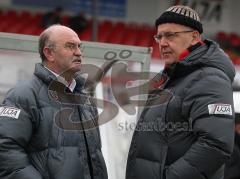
point(42, 131)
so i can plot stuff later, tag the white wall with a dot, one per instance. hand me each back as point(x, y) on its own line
point(234, 15)
point(4, 3)
point(145, 11)
point(211, 26)
point(148, 11)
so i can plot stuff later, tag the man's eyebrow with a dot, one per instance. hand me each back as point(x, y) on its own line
point(73, 43)
point(70, 43)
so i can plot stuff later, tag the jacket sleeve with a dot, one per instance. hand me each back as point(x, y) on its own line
point(209, 103)
point(15, 133)
point(232, 166)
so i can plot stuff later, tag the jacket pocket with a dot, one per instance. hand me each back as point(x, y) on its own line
point(55, 160)
point(39, 161)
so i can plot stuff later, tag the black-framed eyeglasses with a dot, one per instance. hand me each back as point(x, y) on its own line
point(169, 35)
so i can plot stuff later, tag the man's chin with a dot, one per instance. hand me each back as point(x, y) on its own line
point(74, 69)
point(168, 61)
point(77, 66)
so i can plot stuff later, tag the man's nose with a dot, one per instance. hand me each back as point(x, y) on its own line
point(162, 45)
point(78, 52)
point(163, 41)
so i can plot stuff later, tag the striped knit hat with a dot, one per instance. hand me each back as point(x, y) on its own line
point(183, 15)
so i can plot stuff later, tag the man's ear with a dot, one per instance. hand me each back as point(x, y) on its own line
point(196, 37)
point(48, 52)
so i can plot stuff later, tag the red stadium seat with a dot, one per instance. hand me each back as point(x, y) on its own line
point(16, 28)
point(86, 34)
point(104, 29)
point(37, 18)
point(65, 20)
point(25, 15)
point(117, 33)
point(130, 34)
point(145, 36)
point(155, 53)
point(221, 36)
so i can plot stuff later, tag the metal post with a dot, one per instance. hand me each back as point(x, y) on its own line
point(95, 20)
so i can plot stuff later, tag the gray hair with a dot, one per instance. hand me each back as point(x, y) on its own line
point(44, 41)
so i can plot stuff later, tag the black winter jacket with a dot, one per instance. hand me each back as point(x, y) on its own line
point(36, 140)
point(233, 164)
point(188, 131)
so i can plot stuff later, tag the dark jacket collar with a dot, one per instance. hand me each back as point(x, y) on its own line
point(207, 54)
point(47, 77)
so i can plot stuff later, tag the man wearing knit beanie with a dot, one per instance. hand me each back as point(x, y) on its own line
point(189, 131)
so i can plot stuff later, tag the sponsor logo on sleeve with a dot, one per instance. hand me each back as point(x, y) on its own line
point(225, 109)
point(10, 112)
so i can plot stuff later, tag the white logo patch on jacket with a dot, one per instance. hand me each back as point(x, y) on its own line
point(10, 112)
point(225, 109)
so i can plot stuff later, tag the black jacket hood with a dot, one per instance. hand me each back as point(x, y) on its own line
point(209, 55)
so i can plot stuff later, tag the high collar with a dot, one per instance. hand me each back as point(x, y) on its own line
point(62, 80)
point(47, 77)
point(207, 54)
point(189, 50)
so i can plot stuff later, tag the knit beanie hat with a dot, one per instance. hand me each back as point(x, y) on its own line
point(183, 15)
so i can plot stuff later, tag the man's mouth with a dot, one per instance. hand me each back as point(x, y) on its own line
point(77, 61)
point(166, 53)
